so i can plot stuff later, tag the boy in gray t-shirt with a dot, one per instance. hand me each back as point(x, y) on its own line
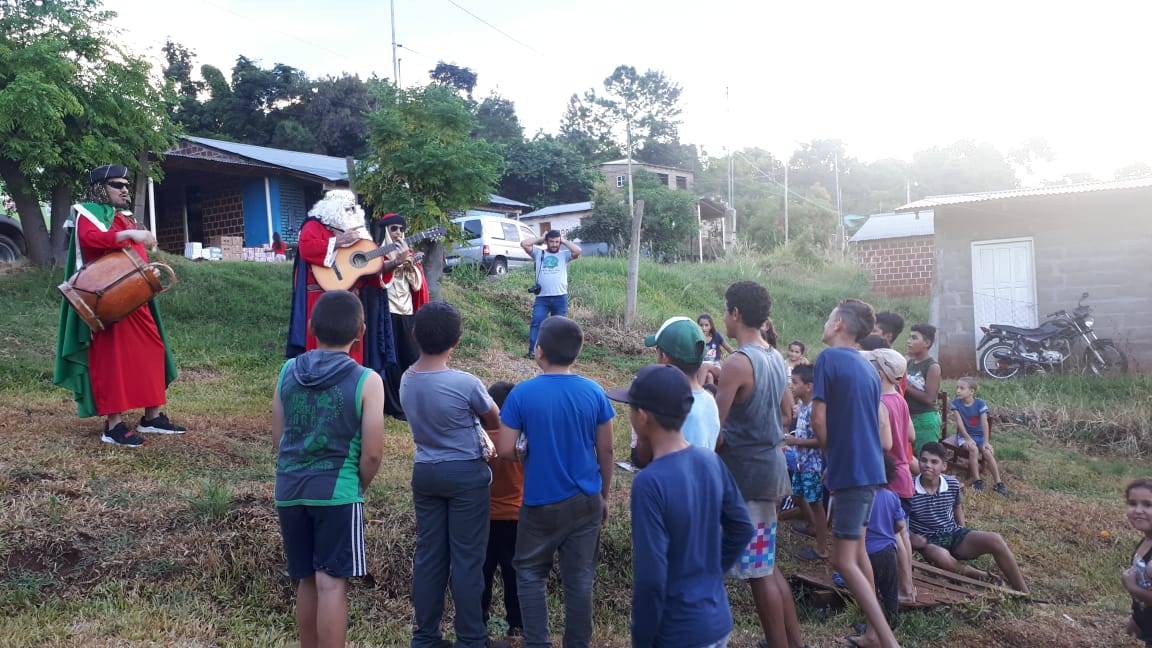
point(448, 411)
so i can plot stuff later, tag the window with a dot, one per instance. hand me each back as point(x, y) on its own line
point(619, 181)
point(681, 182)
point(474, 228)
point(663, 178)
point(509, 232)
point(544, 228)
point(526, 233)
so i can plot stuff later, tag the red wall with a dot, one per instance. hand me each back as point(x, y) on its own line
point(900, 267)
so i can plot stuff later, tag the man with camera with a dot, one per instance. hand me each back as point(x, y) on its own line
point(551, 288)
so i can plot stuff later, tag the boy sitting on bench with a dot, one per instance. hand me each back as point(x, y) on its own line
point(936, 519)
point(974, 433)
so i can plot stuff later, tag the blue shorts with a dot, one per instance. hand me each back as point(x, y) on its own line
point(851, 508)
point(323, 538)
point(808, 485)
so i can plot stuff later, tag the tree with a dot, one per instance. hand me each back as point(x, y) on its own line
point(669, 222)
point(450, 75)
point(546, 171)
point(646, 104)
point(496, 121)
point(757, 197)
point(70, 99)
point(642, 108)
point(966, 166)
point(423, 161)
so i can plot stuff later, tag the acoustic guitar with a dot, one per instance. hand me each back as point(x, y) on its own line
point(363, 258)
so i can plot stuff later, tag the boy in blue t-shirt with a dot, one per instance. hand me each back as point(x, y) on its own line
point(846, 418)
point(689, 522)
point(328, 426)
point(884, 525)
point(971, 417)
point(567, 423)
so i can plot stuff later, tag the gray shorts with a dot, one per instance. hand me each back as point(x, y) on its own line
point(851, 508)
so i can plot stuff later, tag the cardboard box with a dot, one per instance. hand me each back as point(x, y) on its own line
point(193, 250)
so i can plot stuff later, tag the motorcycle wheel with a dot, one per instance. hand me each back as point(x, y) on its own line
point(1105, 360)
point(993, 367)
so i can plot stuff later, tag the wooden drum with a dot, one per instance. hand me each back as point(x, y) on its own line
point(110, 288)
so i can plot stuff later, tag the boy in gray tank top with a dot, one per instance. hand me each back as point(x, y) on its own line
point(752, 401)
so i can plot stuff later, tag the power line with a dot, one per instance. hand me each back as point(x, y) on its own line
point(496, 29)
point(780, 184)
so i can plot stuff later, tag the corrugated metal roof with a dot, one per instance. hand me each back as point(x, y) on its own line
point(890, 226)
point(642, 163)
point(324, 166)
point(559, 209)
point(1084, 187)
point(501, 200)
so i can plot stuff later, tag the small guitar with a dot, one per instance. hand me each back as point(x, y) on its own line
point(363, 258)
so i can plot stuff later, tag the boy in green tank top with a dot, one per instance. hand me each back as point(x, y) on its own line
point(923, 386)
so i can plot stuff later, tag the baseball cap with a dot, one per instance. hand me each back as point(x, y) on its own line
point(887, 361)
point(660, 389)
point(679, 337)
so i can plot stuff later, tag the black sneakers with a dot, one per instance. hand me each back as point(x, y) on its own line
point(122, 436)
point(159, 425)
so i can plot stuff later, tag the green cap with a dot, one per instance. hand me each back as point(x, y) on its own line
point(679, 337)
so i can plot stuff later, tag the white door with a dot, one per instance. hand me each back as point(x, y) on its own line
point(1003, 284)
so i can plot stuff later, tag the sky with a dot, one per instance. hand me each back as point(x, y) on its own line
point(888, 78)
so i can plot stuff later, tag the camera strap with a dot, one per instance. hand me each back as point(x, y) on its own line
point(539, 262)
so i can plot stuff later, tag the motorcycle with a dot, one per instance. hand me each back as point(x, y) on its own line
point(1007, 351)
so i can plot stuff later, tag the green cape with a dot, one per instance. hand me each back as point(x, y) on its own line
point(74, 336)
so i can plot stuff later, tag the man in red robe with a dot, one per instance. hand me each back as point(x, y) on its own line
point(127, 365)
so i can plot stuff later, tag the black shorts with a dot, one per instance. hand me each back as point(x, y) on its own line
point(323, 538)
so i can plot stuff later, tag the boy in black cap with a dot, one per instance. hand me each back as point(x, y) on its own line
point(689, 523)
point(128, 364)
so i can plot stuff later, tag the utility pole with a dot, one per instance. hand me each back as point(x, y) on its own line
point(839, 210)
point(785, 202)
point(637, 212)
point(395, 61)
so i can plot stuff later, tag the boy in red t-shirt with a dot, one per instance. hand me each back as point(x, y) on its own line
point(507, 496)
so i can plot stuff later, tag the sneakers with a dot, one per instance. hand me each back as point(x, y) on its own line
point(159, 425)
point(978, 485)
point(1002, 489)
point(122, 436)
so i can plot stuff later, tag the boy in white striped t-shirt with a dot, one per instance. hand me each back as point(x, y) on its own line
point(936, 519)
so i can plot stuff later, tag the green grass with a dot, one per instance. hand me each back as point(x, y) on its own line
point(177, 543)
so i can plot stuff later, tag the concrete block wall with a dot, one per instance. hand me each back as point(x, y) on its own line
point(224, 212)
point(170, 229)
point(902, 267)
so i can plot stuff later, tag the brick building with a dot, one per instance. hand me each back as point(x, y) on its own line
point(899, 251)
point(214, 188)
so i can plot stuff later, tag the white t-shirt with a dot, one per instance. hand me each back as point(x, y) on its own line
point(552, 271)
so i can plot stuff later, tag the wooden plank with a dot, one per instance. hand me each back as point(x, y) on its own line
point(932, 569)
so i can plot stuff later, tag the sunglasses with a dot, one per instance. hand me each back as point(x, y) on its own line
point(396, 228)
point(118, 185)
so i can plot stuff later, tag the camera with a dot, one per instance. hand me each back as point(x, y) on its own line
point(534, 289)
